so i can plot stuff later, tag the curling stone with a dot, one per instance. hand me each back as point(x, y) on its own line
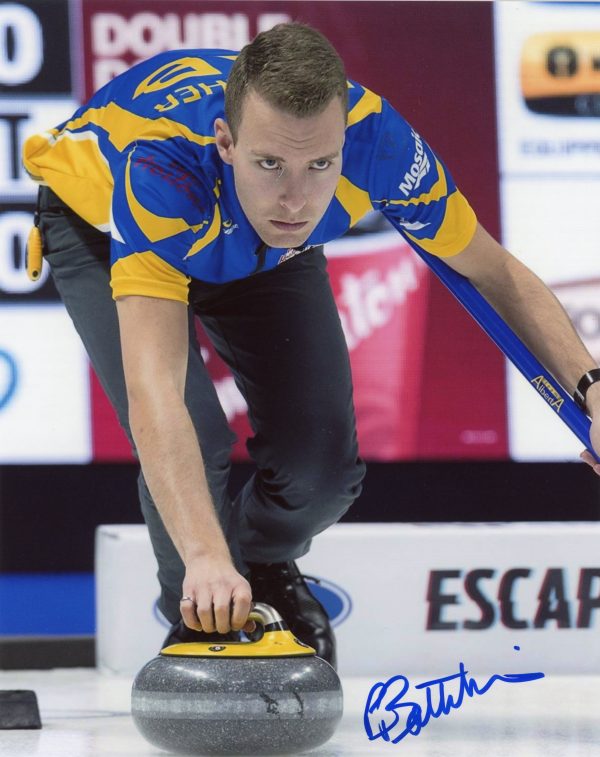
point(270, 696)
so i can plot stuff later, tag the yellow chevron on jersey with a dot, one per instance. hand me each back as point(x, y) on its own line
point(173, 72)
point(139, 161)
point(355, 201)
point(212, 233)
point(123, 127)
point(368, 103)
point(456, 232)
point(154, 226)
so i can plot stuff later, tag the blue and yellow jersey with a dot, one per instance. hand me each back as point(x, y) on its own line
point(139, 161)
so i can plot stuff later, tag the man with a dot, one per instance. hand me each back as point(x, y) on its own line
point(216, 202)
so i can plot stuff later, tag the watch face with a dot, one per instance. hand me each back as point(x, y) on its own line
point(560, 73)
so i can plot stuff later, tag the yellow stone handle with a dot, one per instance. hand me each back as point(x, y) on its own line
point(277, 640)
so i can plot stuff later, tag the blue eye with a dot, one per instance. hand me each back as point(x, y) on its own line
point(269, 164)
point(321, 165)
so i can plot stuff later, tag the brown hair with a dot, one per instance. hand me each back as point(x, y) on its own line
point(293, 67)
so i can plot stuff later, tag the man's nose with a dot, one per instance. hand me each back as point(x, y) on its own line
point(293, 196)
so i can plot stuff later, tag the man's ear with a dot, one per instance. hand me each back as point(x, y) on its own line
point(224, 140)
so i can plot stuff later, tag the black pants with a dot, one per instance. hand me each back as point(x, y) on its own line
point(280, 334)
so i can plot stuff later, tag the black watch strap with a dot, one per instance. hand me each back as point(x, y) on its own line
point(584, 384)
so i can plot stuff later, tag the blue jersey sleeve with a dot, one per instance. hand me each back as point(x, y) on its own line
point(414, 190)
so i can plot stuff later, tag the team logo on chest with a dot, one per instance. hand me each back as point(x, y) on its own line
point(229, 226)
point(292, 252)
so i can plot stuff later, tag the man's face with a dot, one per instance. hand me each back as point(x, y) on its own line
point(286, 168)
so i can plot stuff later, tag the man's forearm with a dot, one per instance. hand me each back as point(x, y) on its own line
point(171, 459)
point(535, 314)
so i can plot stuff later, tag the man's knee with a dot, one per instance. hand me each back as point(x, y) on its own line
point(324, 484)
point(332, 480)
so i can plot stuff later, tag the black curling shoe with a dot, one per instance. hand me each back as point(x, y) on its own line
point(282, 586)
point(181, 634)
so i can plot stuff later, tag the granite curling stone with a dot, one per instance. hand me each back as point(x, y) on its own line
point(271, 696)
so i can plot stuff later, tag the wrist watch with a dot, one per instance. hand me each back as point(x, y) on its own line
point(584, 384)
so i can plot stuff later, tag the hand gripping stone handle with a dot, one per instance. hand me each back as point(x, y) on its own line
point(520, 356)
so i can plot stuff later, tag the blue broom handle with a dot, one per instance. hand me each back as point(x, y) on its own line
point(520, 356)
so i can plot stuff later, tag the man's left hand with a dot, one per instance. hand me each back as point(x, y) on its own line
point(592, 401)
point(586, 455)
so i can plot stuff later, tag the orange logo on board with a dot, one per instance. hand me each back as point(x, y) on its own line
point(560, 73)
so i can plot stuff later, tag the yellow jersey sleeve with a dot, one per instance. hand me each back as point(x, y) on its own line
point(145, 273)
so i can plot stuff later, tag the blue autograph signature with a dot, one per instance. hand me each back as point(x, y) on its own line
point(389, 696)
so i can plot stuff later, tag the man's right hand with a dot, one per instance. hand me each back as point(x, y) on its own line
point(220, 598)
